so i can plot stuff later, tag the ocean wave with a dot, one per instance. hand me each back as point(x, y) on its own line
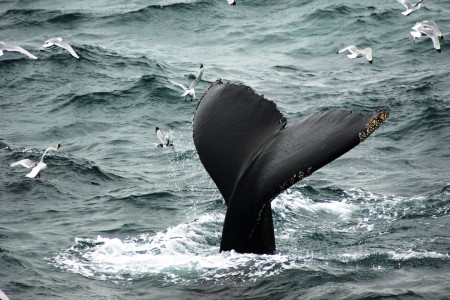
point(25, 17)
point(152, 200)
point(86, 171)
point(351, 212)
point(43, 18)
point(188, 253)
point(396, 259)
point(71, 18)
point(127, 95)
point(156, 12)
point(336, 11)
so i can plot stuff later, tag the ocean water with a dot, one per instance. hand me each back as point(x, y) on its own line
point(116, 217)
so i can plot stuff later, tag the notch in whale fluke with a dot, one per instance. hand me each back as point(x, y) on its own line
point(252, 154)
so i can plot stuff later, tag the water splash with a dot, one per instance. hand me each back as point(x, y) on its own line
point(186, 253)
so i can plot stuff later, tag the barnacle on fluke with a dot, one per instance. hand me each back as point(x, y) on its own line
point(296, 177)
point(373, 125)
point(252, 154)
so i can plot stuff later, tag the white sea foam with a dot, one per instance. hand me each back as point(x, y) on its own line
point(411, 254)
point(378, 210)
point(189, 252)
point(397, 256)
point(296, 201)
point(181, 253)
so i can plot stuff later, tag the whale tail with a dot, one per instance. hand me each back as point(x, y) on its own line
point(264, 156)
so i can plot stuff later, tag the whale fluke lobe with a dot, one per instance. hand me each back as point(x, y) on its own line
point(252, 154)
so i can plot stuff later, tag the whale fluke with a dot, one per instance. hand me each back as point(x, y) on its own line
point(252, 155)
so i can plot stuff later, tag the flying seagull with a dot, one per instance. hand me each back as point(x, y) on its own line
point(410, 7)
point(191, 91)
point(430, 29)
point(355, 52)
point(36, 167)
point(14, 48)
point(60, 43)
point(165, 141)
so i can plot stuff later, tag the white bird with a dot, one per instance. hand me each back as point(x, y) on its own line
point(409, 6)
point(231, 2)
point(60, 43)
point(37, 167)
point(14, 48)
point(191, 91)
point(3, 296)
point(430, 29)
point(165, 141)
point(355, 52)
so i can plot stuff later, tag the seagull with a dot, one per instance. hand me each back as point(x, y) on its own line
point(409, 6)
point(355, 52)
point(14, 48)
point(60, 43)
point(165, 141)
point(429, 28)
point(231, 2)
point(37, 167)
point(191, 91)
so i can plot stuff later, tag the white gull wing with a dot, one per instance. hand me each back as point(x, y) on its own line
point(351, 49)
point(35, 171)
point(180, 85)
point(187, 91)
point(161, 136)
point(53, 147)
point(435, 27)
point(406, 3)
point(435, 38)
point(14, 48)
point(3, 296)
point(197, 79)
point(368, 53)
point(69, 48)
point(231, 2)
point(27, 163)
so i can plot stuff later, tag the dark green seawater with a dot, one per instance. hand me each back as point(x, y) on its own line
point(116, 217)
